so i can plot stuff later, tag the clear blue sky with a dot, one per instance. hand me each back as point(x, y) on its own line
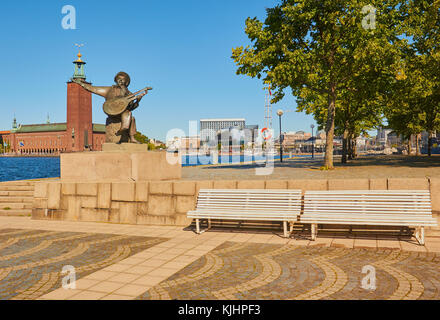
point(180, 48)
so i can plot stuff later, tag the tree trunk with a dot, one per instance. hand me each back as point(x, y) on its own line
point(350, 147)
point(409, 145)
point(354, 148)
point(344, 147)
point(330, 127)
point(417, 145)
point(429, 142)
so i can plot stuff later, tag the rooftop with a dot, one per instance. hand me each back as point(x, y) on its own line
point(220, 119)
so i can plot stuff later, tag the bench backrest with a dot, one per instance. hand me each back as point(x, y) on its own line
point(368, 202)
point(288, 201)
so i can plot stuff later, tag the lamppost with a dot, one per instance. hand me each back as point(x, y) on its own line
point(280, 113)
point(313, 142)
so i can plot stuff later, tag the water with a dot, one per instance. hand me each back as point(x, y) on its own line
point(24, 168)
point(196, 160)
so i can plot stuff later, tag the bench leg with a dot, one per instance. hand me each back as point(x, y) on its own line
point(198, 226)
point(420, 235)
point(314, 228)
point(291, 227)
point(209, 223)
point(285, 229)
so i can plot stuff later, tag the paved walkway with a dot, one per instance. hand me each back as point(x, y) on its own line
point(364, 167)
point(143, 262)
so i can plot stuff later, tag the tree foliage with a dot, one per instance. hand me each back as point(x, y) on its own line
point(144, 140)
point(323, 54)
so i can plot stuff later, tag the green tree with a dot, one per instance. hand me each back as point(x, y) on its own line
point(313, 47)
point(414, 103)
point(141, 138)
point(144, 140)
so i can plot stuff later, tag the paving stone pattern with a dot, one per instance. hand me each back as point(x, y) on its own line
point(31, 261)
point(274, 271)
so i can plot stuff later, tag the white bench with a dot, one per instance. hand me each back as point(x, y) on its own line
point(249, 204)
point(411, 208)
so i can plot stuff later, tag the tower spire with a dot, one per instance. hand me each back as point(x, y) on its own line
point(79, 65)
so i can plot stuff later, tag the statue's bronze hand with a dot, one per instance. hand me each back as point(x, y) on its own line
point(139, 97)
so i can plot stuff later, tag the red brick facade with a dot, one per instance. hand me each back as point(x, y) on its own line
point(79, 117)
point(77, 134)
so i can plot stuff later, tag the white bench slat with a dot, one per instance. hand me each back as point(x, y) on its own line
point(357, 211)
point(348, 192)
point(252, 191)
point(373, 223)
point(343, 221)
point(368, 217)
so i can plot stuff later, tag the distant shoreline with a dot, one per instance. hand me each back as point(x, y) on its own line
point(27, 156)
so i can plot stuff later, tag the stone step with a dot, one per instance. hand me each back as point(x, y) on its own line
point(16, 212)
point(15, 205)
point(17, 183)
point(19, 193)
point(16, 188)
point(28, 199)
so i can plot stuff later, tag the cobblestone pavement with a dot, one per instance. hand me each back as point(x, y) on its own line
point(237, 270)
point(31, 261)
point(116, 262)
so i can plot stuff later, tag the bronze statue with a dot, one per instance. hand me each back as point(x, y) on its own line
point(119, 104)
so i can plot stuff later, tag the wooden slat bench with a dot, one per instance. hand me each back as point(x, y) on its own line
point(249, 204)
point(410, 208)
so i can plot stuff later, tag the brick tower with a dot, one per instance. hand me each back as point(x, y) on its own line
point(79, 112)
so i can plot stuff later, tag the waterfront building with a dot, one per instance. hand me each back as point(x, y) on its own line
point(78, 133)
point(191, 143)
point(209, 128)
point(382, 136)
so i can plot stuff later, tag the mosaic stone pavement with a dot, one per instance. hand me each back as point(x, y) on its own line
point(271, 271)
point(31, 261)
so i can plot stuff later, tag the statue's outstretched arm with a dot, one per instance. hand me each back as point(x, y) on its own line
point(101, 91)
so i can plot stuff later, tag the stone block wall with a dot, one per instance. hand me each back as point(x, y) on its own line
point(167, 202)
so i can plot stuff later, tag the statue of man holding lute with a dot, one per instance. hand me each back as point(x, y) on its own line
point(119, 103)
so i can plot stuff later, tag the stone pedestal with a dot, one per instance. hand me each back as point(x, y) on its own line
point(118, 165)
point(124, 147)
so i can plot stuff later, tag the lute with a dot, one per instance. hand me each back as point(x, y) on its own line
point(116, 106)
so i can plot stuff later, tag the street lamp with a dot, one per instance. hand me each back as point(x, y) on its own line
point(313, 142)
point(280, 113)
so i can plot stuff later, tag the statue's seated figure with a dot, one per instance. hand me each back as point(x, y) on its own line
point(120, 127)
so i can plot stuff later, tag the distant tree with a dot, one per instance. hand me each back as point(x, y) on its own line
point(8, 147)
point(145, 140)
point(141, 138)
